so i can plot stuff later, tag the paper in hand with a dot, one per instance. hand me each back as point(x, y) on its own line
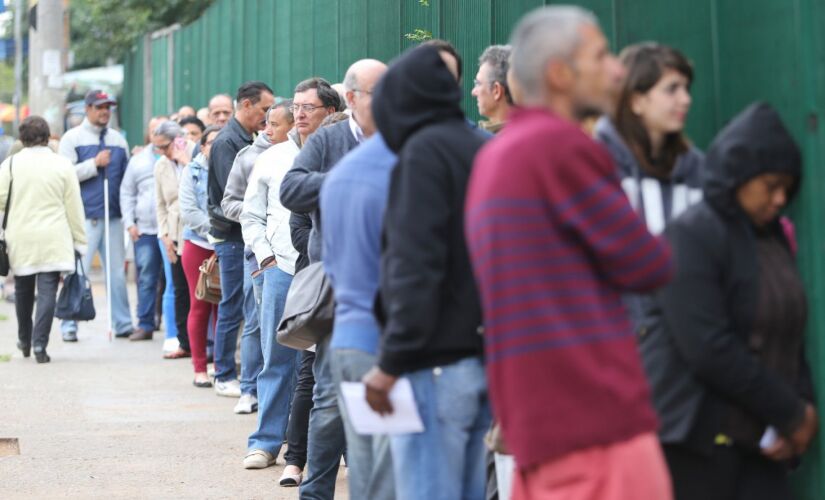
point(404, 419)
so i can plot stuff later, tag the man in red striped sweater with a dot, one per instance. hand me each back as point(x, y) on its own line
point(554, 244)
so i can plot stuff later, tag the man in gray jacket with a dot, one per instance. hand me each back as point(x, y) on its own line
point(300, 191)
point(138, 208)
point(232, 205)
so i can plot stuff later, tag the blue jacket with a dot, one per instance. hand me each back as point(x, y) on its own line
point(353, 199)
point(80, 145)
point(192, 199)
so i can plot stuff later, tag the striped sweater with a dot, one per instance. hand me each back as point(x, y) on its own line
point(554, 244)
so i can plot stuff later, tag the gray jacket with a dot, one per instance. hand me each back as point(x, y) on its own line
point(301, 186)
point(232, 203)
point(137, 193)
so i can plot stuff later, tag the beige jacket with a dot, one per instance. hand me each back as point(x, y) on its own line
point(167, 182)
point(46, 220)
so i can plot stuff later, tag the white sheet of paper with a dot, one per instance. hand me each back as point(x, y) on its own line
point(403, 420)
point(769, 438)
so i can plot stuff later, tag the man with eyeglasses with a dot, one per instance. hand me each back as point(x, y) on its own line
point(137, 204)
point(490, 87)
point(300, 191)
point(98, 152)
point(266, 230)
point(253, 101)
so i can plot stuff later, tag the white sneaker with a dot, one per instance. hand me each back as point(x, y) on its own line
point(258, 459)
point(247, 404)
point(228, 388)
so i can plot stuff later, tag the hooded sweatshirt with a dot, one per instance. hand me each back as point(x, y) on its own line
point(236, 183)
point(428, 298)
point(699, 356)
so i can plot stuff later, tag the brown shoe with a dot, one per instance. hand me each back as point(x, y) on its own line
point(140, 334)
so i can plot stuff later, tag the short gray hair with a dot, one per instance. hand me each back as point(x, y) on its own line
point(169, 129)
point(545, 34)
point(498, 57)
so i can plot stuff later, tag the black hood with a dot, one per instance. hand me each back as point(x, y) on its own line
point(417, 90)
point(755, 142)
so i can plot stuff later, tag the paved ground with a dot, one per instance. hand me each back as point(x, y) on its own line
point(114, 420)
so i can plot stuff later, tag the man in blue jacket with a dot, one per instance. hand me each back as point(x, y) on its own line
point(98, 152)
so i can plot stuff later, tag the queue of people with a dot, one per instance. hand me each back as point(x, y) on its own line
point(571, 283)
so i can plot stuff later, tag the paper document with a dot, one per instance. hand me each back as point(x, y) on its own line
point(769, 438)
point(403, 420)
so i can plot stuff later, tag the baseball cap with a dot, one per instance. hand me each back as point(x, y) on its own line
point(98, 97)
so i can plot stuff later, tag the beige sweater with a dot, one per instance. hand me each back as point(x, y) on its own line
point(46, 221)
point(167, 183)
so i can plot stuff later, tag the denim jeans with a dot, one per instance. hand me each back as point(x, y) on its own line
point(368, 457)
point(251, 358)
point(326, 432)
point(276, 382)
point(230, 310)
point(170, 317)
point(148, 262)
point(121, 316)
point(447, 460)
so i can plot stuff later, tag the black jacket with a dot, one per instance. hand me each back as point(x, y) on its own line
point(429, 305)
point(231, 139)
point(696, 356)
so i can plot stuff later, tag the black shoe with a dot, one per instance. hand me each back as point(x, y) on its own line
point(26, 348)
point(69, 336)
point(123, 335)
point(41, 356)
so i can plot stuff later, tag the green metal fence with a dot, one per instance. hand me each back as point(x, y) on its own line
point(742, 50)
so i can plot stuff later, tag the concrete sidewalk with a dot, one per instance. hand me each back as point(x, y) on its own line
point(114, 420)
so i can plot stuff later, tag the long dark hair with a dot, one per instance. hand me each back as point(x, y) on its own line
point(645, 64)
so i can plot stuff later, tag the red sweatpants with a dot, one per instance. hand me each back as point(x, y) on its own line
point(200, 311)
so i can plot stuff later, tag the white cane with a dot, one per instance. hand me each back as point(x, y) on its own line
point(108, 260)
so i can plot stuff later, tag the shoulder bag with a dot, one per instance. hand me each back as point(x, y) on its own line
point(5, 265)
point(309, 309)
point(208, 288)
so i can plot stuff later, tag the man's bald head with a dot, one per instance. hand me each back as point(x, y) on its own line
point(359, 81)
point(220, 109)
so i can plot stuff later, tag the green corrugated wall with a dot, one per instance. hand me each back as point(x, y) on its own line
point(742, 50)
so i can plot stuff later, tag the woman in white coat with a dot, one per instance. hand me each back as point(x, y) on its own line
point(43, 231)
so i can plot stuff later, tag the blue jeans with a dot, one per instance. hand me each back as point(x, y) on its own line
point(121, 317)
point(230, 309)
point(326, 432)
point(251, 358)
point(368, 457)
point(170, 317)
point(447, 460)
point(148, 262)
point(276, 382)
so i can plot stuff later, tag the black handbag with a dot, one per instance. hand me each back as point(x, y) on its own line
point(309, 309)
point(5, 265)
point(75, 301)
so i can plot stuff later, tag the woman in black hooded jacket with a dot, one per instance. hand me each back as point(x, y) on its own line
point(726, 360)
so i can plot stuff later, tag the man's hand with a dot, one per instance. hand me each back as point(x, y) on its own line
point(265, 264)
point(103, 158)
point(133, 232)
point(802, 436)
point(379, 385)
point(780, 450)
point(171, 251)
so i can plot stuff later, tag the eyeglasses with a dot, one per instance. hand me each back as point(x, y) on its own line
point(306, 108)
point(164, 147)
point(368, 92)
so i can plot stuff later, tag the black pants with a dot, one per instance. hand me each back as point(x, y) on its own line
point(24, 287)
point(730, 473)
point(181, 303)
point(298, 427)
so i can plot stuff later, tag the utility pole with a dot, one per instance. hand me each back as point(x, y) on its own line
point(18, 62)
point(47, 62)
